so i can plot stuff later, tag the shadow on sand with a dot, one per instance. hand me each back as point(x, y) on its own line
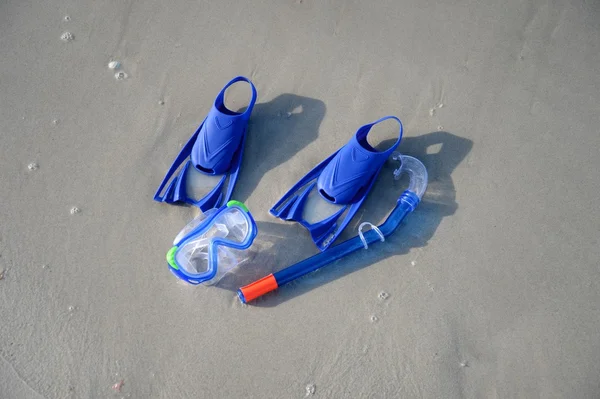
point(278, 129)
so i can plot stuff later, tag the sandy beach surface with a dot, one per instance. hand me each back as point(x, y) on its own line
point(490, 289)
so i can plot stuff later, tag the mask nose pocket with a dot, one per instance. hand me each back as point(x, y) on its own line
point(192, 257)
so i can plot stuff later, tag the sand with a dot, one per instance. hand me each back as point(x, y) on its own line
point(492, 283)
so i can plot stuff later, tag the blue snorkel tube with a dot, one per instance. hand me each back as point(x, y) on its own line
point(406, 203)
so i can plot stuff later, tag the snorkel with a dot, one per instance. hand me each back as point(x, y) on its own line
point(406, 203)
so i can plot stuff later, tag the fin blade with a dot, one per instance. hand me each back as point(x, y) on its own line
point(213, 199)
point(325, 241)
point(320, 231)
point(303, 182)
point(184, 154)
point(223, 190)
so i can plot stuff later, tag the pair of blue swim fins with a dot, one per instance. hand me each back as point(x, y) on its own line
point(324, 201)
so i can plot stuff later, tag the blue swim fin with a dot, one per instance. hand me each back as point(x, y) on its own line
point(215, 153)
point(335, 188)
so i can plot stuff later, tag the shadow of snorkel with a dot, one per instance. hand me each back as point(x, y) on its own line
point(440, 152)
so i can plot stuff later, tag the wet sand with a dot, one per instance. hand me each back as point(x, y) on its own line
point(489, 289)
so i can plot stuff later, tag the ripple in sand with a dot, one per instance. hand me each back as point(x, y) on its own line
point(33, 166)
point(311, 389)
point(75, 210)
point(67, 37)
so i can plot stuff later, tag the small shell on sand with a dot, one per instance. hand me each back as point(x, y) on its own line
point(67, 37)
point(1, 274)
point(114, 65)
point(55, 122)
point(440, 128)
point(75, 210)
point(120, 75)
point(374, 319)
point(432, 112)
point(33, 166)
point(67, 18)
point(311, 389)
point(161, 102)
point(117, 386)
point(383, 295)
